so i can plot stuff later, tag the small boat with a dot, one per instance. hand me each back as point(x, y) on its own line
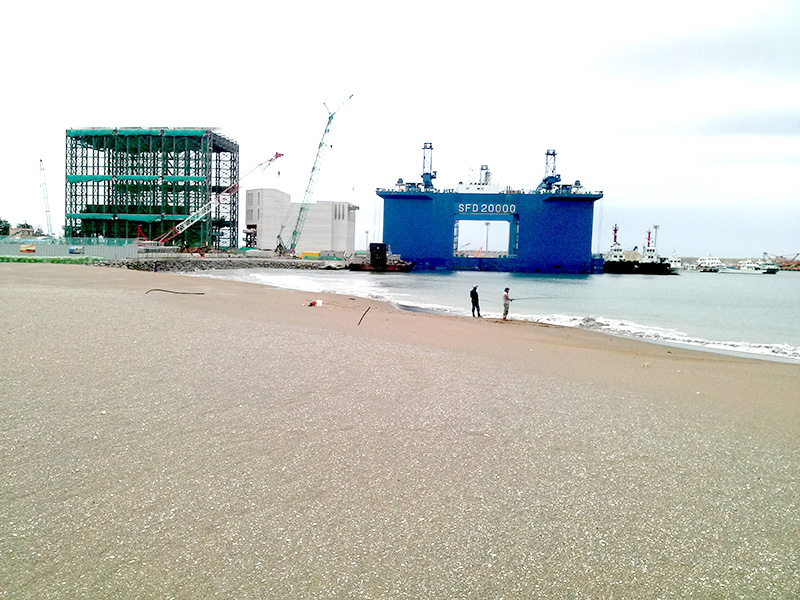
point(748, 266)
point(709, 264)
point(752, 267)
point(768, 267)
point(675, 263)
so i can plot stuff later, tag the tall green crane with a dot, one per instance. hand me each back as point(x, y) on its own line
point(282, 247)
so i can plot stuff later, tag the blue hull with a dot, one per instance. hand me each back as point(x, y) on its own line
point(549, 231)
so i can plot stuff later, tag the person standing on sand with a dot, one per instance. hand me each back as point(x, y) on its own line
point(506, 302)
point(473, 295)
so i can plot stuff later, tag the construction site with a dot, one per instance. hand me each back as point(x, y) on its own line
point(171, 189)
point(143, 183)
point(133, 193)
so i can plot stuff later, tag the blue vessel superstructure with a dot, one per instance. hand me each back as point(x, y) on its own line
point(549, 228)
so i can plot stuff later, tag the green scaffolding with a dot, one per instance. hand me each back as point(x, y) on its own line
point(129, 183)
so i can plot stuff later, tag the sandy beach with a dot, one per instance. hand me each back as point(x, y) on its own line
point(232, 441)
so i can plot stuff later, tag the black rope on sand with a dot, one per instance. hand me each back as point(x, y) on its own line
point(364, 315)
point(173, 292)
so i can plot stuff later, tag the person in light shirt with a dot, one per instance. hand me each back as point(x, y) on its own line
point(506, 303)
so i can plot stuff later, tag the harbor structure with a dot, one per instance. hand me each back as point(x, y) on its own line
point(328, 226)
point(549, 228)
point(141, 183)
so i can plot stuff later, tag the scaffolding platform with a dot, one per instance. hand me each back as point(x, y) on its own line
point(123, 182)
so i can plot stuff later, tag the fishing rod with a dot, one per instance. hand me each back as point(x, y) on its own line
point(513, 299)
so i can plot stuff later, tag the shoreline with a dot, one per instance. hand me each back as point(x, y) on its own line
point(412, 327)
point(197, 265)
point(232, 440)
point(670, 344)
point(727, 348)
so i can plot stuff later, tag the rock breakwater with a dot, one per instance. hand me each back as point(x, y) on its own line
point(190, 264)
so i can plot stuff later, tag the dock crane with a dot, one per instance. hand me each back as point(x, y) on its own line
point(786, 262)
point(550, 176)
point(282, 247)
point(206, 209)
point(44, 198)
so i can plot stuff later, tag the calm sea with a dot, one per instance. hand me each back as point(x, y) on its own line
point(751, 314)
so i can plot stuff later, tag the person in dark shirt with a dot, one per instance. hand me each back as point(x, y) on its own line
point(473, 295)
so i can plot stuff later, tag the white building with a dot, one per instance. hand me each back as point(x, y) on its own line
point(329, 226)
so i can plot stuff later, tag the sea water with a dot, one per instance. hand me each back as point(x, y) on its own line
point(751, 314)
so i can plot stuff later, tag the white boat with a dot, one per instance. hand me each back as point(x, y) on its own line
point(751, 267)
point(748, 266)
point(709, 264)
point(768, 267)
point(743, 266)
point(675, 263)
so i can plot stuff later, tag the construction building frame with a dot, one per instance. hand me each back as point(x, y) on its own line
point(140, 183)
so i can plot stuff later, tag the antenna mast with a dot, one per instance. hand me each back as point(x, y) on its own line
point(44, 198)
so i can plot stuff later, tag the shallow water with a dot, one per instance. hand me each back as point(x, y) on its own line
point(756, 315)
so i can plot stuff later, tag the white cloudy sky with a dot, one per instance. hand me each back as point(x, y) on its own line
point(685, 113)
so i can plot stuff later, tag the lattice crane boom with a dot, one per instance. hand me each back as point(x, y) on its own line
point(44, 198)
point(282, 247)
point(202, 212)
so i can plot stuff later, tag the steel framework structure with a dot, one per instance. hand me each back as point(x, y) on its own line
point(125, 182)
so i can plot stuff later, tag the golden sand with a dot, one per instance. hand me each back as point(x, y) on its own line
point(234, 442)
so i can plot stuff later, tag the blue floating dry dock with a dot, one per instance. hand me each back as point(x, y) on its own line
point(549, 228)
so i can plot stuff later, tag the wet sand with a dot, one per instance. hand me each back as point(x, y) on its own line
point(242, 444)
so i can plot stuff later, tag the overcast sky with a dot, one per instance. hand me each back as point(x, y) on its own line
point(685, 113)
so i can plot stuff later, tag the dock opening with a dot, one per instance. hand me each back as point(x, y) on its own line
point(484, 238)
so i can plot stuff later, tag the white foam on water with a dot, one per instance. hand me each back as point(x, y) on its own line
point(406, 298)
point(668, 336)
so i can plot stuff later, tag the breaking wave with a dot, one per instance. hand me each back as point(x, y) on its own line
point(407, 297)
point(670, 337)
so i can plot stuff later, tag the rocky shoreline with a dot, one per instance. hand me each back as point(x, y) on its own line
point(190, 264)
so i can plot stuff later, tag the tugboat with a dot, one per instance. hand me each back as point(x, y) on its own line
point(381, 261)
point(651, 263)
point(615, 261)
point(648, 263)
